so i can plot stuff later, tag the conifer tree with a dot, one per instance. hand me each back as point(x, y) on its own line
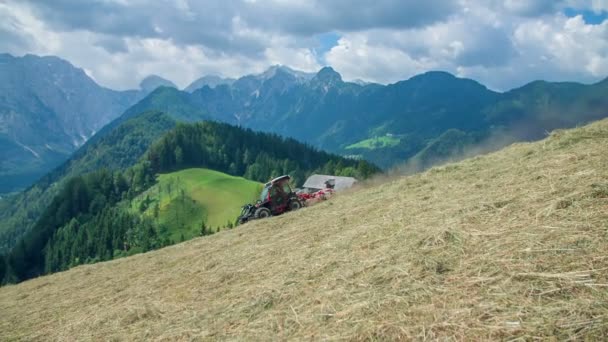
point(203, 231)
point(2, 268)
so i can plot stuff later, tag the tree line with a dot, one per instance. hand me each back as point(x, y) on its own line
point(244, 152)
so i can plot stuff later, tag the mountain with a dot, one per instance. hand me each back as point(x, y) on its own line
point(342, 117)
point(210, 81)
point(99, 199)
point(299, 76)
point(213, 81)
point(361, 82)
point(543, 106)
point(326, 111)
point(428, 119)
point(320, 109)
point(48, 108)
point(505, 246)
point(150, 83)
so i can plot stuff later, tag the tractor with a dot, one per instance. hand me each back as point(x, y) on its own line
point(275, 199)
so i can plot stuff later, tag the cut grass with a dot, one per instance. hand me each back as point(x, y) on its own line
point(188, 197)
point(508, 246)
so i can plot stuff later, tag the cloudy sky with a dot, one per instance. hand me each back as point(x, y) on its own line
point(503, 44)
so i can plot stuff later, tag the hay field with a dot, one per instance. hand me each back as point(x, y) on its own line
point(512, 245)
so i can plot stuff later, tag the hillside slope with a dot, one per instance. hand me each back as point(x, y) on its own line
point(510, 244)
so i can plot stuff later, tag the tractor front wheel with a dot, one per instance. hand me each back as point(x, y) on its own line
point(261, 212)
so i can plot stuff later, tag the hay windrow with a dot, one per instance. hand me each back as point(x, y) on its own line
point(511, 245)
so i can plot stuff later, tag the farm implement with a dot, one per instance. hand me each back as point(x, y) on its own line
point(277, 197)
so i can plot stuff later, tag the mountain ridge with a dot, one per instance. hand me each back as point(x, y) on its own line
point(49, 108)
point(333, 114)
point(151, 82)
point(211, 81)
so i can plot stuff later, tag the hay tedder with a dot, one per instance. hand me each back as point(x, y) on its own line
point(277, 197)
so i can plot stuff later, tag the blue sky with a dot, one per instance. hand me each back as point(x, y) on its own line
point(500, 43)
point(326, 42)
point(590, 16)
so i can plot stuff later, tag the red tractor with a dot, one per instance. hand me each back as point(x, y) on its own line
point(276, 198)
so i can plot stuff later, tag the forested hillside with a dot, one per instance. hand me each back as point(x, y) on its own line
point(254, 155)
point(114, 148)
point(88, 218)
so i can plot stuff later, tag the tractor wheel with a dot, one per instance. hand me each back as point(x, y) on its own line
point(295, 204)
point(261, 213)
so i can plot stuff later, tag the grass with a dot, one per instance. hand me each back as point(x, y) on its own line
point(188, 197)
point(507, 246)
point(375, 143)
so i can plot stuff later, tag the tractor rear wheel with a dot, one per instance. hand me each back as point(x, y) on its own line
point(295, 204)
point(261, 212)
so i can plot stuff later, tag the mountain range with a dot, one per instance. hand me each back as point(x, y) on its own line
point(426, 119)
point(429, 118)
point(48, 109)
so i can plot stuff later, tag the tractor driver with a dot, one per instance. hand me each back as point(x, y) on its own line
point(278, 196)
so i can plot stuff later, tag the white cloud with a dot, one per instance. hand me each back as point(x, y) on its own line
point(503, 44)
point(298, 58)
point(356, 58)
point(391, 55)
point(501, 52)
point(566, 44)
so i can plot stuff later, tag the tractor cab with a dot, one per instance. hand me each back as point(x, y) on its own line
point(278, 197)
point(277, 192)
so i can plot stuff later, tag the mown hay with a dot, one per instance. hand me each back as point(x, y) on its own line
point(511, 245)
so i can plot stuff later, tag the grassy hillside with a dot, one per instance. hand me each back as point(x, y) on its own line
point(507, 245)
point(376, 142)
point(182, 200)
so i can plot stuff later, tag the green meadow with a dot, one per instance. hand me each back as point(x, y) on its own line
point(181, 201)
